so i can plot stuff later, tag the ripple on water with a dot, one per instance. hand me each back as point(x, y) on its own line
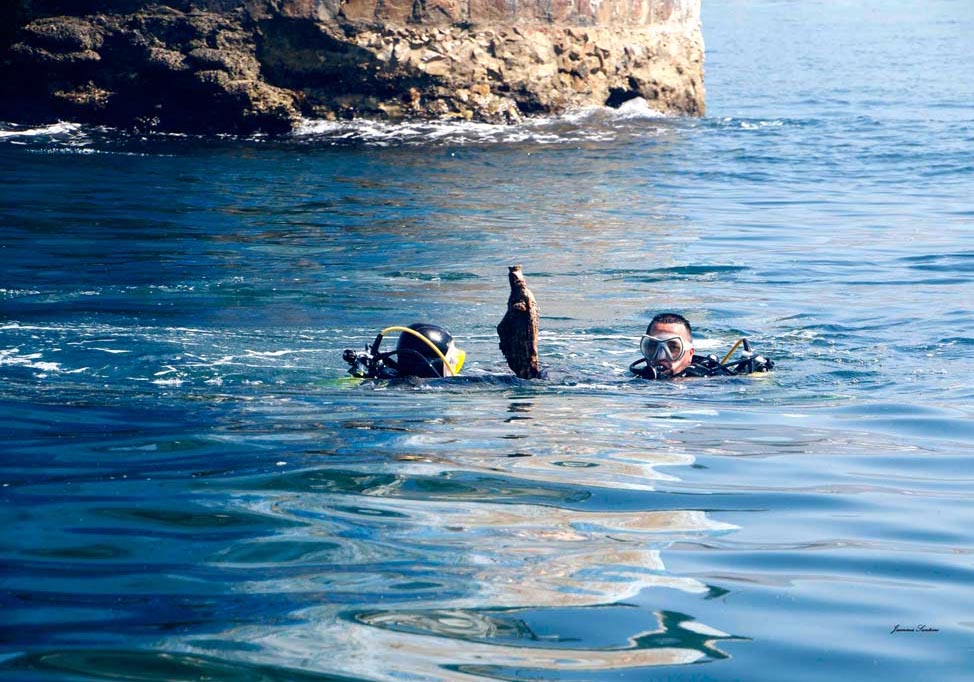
point(192, 488)
point(149, 666)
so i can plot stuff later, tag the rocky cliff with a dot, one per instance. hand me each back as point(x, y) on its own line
point(259, 65)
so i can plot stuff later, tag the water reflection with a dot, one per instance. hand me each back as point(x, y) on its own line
point(507, 586)
point(454, 557)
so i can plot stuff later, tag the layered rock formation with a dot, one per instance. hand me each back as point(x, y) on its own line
point(259, 65)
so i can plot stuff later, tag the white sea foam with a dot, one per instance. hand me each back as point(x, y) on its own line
point(59, 128)
point(280, 353)
point(383, 133)
point(633, 108)
point(13, 357)
point(17, 293)
point(169, 382)
point(588, 124)
point(70, 138)
point(751, 124)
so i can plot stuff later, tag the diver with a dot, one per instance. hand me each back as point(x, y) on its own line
point(426, 351)
point(423, 350)
point(668, 353)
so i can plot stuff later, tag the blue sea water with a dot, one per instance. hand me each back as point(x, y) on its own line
point(193, 489)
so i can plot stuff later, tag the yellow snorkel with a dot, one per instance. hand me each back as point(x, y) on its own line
point(733, 348)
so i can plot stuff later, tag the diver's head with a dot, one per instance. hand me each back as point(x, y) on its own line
point(422, 349)
point(668, 343)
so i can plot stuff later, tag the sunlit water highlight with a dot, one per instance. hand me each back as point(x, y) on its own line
point(194, 490)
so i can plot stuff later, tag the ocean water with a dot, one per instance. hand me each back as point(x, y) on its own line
point(193, 489)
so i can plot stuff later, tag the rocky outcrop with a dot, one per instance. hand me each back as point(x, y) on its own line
point(157, 68)
point(259, 65)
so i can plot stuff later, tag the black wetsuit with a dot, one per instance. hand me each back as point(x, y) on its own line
point(704, 366)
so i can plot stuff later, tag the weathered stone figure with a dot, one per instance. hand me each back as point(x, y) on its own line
point(518, 331)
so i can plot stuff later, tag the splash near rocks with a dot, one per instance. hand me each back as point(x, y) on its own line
point(215, 66)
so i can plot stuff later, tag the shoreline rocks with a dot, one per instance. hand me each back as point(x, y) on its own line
point(250, 66)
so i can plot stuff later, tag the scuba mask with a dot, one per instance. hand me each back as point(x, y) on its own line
point(656, 348)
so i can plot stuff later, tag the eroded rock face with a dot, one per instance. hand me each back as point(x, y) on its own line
point(157, 68)
point(258, 65)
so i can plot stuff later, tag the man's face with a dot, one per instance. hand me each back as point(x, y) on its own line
point(664, 330)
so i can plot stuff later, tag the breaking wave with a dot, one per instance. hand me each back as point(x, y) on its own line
point(590, 124)
point(635, 119)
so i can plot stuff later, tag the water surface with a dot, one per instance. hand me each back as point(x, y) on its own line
point(193, 489)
